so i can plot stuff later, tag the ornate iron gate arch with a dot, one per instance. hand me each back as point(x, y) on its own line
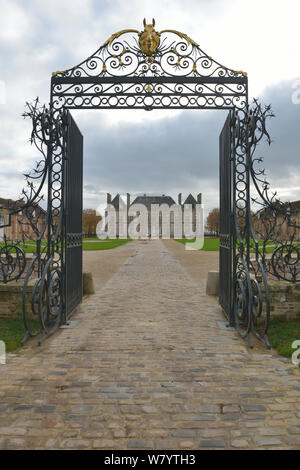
point(147, 70)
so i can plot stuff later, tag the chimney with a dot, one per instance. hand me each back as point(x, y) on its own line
point(108, 198)
point(199, 198)
point(128, 200)
point(180, 199)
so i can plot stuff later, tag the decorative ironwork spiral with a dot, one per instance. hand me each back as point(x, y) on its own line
point(12, 261)
point(285, 261)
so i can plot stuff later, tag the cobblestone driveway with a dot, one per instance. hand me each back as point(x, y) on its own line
point(148, 366)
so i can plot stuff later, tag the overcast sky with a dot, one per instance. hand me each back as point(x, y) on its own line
point(161, 152)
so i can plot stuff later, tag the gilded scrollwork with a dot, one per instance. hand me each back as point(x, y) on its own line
point(157, 58)
point(128, 51)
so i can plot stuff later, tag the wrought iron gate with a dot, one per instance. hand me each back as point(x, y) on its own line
point(150, 70)
point(73, 217)
point(226, 218)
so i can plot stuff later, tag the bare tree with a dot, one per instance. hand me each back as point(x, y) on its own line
point(90, 219)
point(213, 221)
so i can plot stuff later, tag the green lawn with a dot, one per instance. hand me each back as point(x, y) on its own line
point(12, 332)
point(282, 334)
point(93, 244)
point(213, 244)
point(103, 244)
point(210, 244)
point(27, 248)
point(89, 244)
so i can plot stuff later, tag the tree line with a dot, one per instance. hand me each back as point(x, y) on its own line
point(90, 220)
point(213, 222)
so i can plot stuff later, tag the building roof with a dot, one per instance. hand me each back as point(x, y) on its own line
point(190, 200)
point(148, 200)
point(294, 207)
point(117, 202)
point(11, 205)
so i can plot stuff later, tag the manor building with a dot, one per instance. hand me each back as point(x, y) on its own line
point(148, 201)
point(267, 222)
point(17, 224)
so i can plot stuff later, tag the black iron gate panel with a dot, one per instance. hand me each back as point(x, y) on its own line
point(225, 291)
point(73, 217)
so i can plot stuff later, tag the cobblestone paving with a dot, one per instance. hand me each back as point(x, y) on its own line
point(148, 366)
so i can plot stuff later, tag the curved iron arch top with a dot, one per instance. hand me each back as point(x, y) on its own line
point(135, 64)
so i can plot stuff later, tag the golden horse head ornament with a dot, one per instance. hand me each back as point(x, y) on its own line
point(149, 39)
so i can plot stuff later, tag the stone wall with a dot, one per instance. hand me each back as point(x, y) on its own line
point(284, 296)
point(284, 299)
point(11, 298)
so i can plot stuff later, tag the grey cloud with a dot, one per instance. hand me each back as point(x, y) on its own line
point(282, 158)
point(164, 156)
point(181, 153)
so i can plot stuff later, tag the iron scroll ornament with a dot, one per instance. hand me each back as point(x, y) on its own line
point(251, 304)
point(44, 313)
point(42, 302)
point(149, 70)
point(276, 223)
point(13, 258)
point(266, 243)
